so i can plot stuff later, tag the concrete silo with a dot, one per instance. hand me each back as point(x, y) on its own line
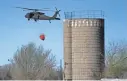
point(67, 51)
point(83, 47)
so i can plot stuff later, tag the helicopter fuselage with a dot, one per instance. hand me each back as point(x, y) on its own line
point(37, 15)
point(40, 16)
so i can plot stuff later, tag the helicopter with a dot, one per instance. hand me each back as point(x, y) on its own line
point(36, 15)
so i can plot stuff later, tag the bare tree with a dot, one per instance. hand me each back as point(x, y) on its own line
point(33, 63)
point(5, 72)
point(60, 71)
point(116, 60)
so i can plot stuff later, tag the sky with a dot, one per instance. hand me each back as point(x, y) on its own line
point(15, 30)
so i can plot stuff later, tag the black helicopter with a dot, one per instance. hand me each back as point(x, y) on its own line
point(37, 15)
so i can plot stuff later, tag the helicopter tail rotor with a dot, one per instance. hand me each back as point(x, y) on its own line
point(58, 11)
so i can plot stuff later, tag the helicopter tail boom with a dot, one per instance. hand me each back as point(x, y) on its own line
point(57, 18)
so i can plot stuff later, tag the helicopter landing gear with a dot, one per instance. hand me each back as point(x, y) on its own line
point(50, 21)
point(28, 19)
point(35, 20)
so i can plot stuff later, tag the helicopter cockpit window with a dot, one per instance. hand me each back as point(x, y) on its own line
point(31, 15)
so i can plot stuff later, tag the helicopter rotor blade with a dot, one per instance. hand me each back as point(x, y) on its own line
point(23, 8)
point(44, 9)
point(59, 15)
point(58, 10)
